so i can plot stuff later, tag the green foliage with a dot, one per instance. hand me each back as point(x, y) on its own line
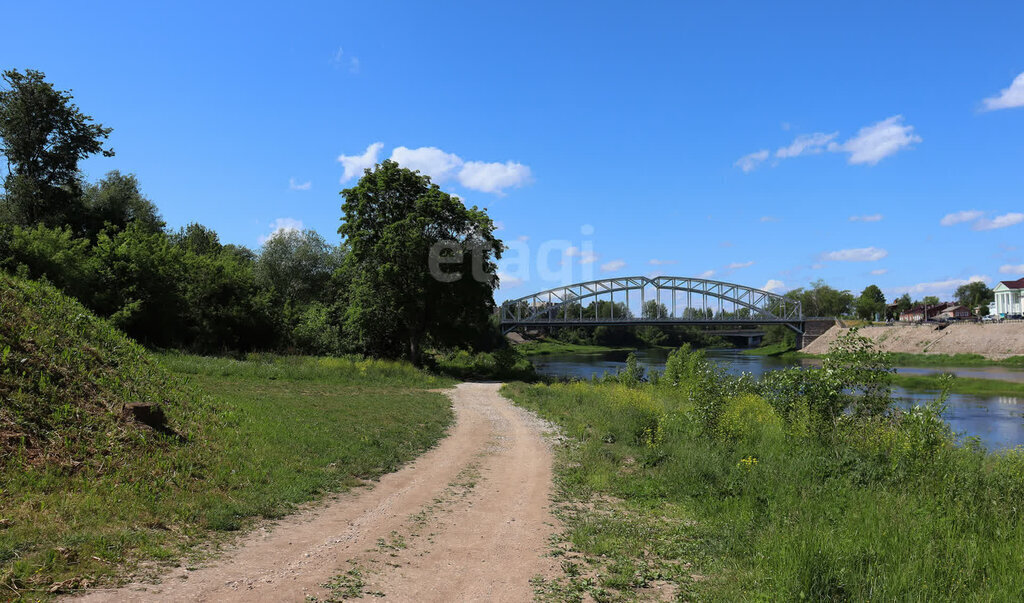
point(505, 364)
point(749, 417)
point(43, 136)
point(634, 373)
point(297, 266)
point(88, 494)
point(822, 300)
point(974, 295)
point(52, 254)
point(787, 497)
point(395, 224)
point(871, 303)
point(117, 201)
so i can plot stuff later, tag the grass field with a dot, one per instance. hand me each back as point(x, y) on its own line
point(548, 346)
point(960, 385)
point(753, 502)
point(263, 435)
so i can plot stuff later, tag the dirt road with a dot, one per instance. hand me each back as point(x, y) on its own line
point(467, 521)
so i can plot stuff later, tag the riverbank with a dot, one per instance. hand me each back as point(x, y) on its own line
point(699, 488)
point(544, 347)
point(994, 342)
point(960, 385)
point(781, 350)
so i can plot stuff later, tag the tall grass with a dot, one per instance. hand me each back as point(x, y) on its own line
point(733, 492)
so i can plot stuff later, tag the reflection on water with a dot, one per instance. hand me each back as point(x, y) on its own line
point(997, 420)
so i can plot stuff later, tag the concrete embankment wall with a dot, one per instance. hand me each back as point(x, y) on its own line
point(993, 341)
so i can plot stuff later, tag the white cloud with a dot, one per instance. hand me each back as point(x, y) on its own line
point(430, 161)
point(749, 163)
point(961, 216)
point(863, 254)
point(773, 285)
point(353, 65)
point(806, 144)
point(706, 274)
point(494, 177)
point(613, 265)
point(880, 271)
point(572, 251)
point(867, 218)
point(999, 221)
point(281, 226)
point(1011, 269)
point(442, 166)
point(506, 280)
point(738, 265)
point(523, 238)
point(588, 257)
point(940, 288)
point(657, 262)
point(355, 164)
point(769, 219)
point(1008, 97)
point(817, 266)
point(876, 142)
point(299, 186)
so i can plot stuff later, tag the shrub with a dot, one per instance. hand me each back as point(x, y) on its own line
point(748, 417)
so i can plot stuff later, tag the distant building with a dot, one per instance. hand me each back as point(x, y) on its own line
point(954, 312)
point(1008, 294)
point(944, 310)
point(992, 309)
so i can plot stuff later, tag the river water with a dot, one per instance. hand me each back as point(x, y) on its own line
point(997, 420)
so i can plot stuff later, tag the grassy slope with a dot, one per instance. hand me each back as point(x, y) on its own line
point(861, 518)
point(87, 496)
point(548, 346)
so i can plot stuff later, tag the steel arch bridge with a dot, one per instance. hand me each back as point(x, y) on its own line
point(680, 301)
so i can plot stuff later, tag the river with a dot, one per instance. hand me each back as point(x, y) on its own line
point(997, 420)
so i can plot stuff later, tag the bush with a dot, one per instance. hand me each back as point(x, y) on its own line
point(749, 417)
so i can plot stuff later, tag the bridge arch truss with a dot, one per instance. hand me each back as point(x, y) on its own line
point(680, 300)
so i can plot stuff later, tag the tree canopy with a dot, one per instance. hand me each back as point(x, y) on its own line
point(974, 294)
point(420, 264)
point(871, 302)
point(43, 136)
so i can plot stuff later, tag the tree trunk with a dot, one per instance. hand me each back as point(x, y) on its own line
point(414, 348)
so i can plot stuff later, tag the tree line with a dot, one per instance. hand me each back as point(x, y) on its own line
point(106, 244)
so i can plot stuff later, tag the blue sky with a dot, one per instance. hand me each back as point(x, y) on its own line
point(733, 139)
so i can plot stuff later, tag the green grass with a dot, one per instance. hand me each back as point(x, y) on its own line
point(545, 347)
point(87, 495)
point(961, 385)
point(960, 360)
point(767, 509)
point(774, 349)
point(270, 434)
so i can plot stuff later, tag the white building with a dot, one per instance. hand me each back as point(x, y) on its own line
point(1008, 294)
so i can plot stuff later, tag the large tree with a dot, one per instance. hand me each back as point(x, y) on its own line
point(822, 300)
point(974, 295)
point(871, 302)
point(117, 201)
point(43, 136)
point(420, 265)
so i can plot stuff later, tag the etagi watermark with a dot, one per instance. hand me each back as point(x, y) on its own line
point(556, 260)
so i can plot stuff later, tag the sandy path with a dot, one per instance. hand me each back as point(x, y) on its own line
point(467, 521)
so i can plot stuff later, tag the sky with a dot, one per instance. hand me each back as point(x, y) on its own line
point(766, 144)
